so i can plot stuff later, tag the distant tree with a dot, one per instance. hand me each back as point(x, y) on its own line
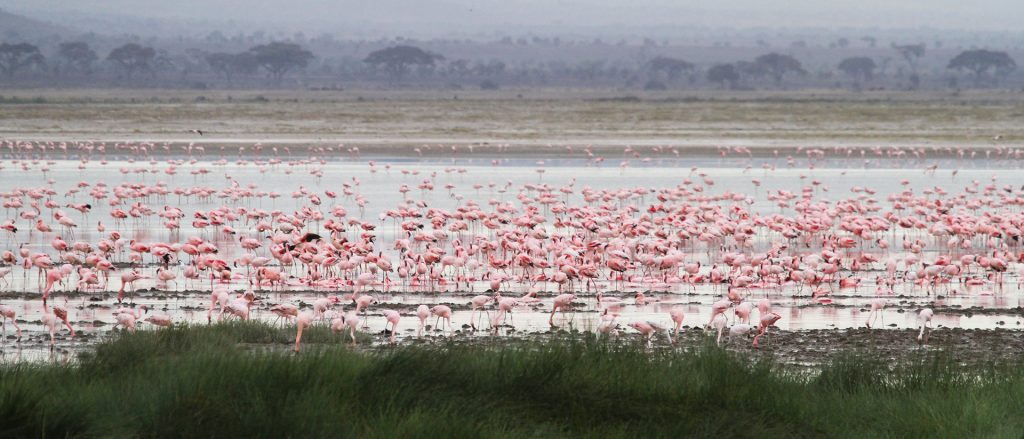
point(915, 81)
point(133, 58)
point(190, 60)
point(872, 41)
point(163, 61)
point(14, 57)
point(588, 70)
point(490, 69)
point(750, 70)
point(459, 68)
point(231, 65)
point(981, 62)
point(654, 85)
point(860, 68)
point(216, 37)
point(397, 60)
point(672, 67)
point(883, 65)
point(911, 53)
point(279, 58)
point(778, 66)
point(77, 56)
point(726, 75)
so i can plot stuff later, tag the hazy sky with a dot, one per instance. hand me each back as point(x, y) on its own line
point(453, 16)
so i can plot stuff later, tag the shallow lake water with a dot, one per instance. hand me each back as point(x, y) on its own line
point(202, 184)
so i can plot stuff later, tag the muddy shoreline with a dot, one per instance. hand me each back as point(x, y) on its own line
point(800, 348)
point(611, 149)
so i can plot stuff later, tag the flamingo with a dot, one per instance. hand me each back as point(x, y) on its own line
point(561, 302)
point(677, 314)
point(392, 318)
point(422, 313)
point(128, 278)
point(646, 329)
point(442, 312)
point(8, 314)
point(50, 320)
point(303, 321)
point(877, 306)
point(924, 319)
point(767, 321)
point(476, 304)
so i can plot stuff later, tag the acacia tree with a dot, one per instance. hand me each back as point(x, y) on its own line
point(981, 62)
point(750, 70)
point(163, 62)
point(133, 58)
point(279, 58)
point(78, 56)
point(672, 67)
point(726, 75)
point(489, 69)
point(459, 68)
point(910, 53)
point(230, 65)
point(860, 68)
point(14, 57)
point(778, 65)
point(397, 60)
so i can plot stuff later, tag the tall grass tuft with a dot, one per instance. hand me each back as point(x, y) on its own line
point(240, 380)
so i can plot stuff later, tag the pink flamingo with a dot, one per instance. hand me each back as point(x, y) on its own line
point(877, 306)
point(478, 303)
point(767, 321)
point(561, 302)
point(924, 318)
point(302, 322)
point(442, 312)
point(159, 320)
point(128, 278)
point(677, 314)
point(717, 308)
point(422, 313)
point(718, 322)
point(8, 314)
point(392, 318)
point(646, 329)
point(285, 311)
point(50, 321)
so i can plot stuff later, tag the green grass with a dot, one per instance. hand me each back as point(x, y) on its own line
point(211, 382)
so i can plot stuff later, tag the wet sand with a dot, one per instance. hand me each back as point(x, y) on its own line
point(383, 122)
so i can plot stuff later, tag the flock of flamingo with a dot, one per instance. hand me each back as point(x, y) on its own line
point(556, 246)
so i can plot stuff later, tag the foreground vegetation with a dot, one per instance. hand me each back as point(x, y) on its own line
point(215, 382)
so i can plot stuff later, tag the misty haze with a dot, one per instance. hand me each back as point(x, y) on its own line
point(650, 45)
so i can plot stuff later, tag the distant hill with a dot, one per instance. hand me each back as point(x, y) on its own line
point(19, 28)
